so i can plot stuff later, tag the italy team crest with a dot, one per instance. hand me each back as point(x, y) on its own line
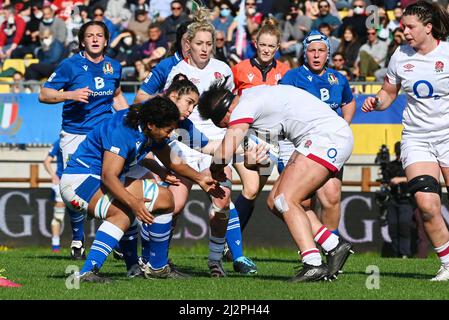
point(107, 68)
point(332, 79)
point(10, 122)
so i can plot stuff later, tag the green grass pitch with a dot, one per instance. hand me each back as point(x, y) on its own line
point(42, 274)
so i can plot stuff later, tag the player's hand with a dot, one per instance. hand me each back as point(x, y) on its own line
point(81, 95)
point(210, 185)
point(370, 104)
point(172, 179)
point(257, 156)
point(140, 210)
point(217, 172)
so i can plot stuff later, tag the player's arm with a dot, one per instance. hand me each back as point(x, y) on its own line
point(48, 167)
point(120, 102)
point(112, 167)
point(232, 139)
point(348, 111)
point(383, 99)
point(51, 96)
point(173, 162)
point(142, 96)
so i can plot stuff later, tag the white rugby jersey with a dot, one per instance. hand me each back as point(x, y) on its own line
point(285, 111)
point(203, 78)
point(425, 81)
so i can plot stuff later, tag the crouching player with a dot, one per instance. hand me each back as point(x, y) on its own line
point(323, 143)
point(93, 180)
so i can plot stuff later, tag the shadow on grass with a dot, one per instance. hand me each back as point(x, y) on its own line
point(52, 257)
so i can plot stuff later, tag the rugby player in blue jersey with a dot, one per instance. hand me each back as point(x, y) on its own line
point(88, 83)
point(94, 181)
point(332, 88)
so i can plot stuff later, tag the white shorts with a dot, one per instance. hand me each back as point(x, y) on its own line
point(78, 189)
point(56, 193)
point(331, 150)
point(69, 143)
point(413, 151)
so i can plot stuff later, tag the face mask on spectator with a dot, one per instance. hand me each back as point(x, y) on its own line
point(358, 10)
point(26, 18)
point(251, 11)
point(38, 15)
point(225, 12)
point(48, 21)
point(128, 41)
point(47, 42)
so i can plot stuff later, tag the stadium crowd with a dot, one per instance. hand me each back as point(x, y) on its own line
point(43, 33)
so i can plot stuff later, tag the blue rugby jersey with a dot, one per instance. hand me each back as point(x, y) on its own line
point(102, 78)
point(331, 87)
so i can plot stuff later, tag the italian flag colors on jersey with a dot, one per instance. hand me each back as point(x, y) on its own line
point(8, 114)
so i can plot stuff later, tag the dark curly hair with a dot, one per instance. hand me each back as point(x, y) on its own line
point(182, 85)
point(159, 111)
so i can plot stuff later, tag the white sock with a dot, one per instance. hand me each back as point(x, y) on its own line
point(55, 241)
point(312, 257)
point(326, 239)
point(443, 253)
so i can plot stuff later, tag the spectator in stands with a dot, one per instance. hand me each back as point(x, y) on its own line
point(159, 10)
point(349, 46)
point(49, 55)
point(398, 40)
point(334, 42)
point(325, 16)
point(30, 40)
point(84, 14)
point(371, 57)
point(124, 49)
point(139, 25)
point(156, 40)
point(99, 16)
point(117, 12)
point(296, 26)
point(142, 70)
point(280, 9)
point(225, 18)
point(17, 86)
point(383, 33)
point(311, 9)
point(251, 23)
point(65, 8)
point(55, 24)
point(357, 20)
point(173, 21)
point(339, 64)
point(396, 23)
point(221, 50)
point(11, 32)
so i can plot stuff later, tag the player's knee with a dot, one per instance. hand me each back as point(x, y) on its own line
point(165, 202)
point(219, 210)
point(281, 202)
point(58, 216)
point(250, 191)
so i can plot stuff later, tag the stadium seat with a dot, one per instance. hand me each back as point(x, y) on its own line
point(343, 13)
point(390, 14)
point(28, 62)
point(4, 88)
point(18, 64)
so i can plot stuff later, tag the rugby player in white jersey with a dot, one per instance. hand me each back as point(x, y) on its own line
point(421, 69)
point(323, 143)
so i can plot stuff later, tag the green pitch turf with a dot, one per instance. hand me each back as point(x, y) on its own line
point(42, 274)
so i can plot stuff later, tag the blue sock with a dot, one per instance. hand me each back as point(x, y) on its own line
point(234, 234)
point(106, 238)
point(77, 224)
point(335, 232)
point(128, 246)
point(160, 231)
point(245, 209)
